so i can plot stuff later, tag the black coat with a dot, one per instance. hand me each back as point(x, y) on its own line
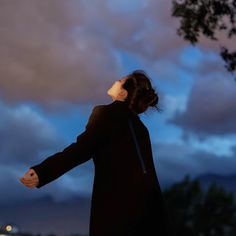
point(125, 200)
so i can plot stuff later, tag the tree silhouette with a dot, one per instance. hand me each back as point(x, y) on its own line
point(195, 212)
point(207, 17)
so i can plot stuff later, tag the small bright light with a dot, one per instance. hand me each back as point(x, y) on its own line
point(8, 228)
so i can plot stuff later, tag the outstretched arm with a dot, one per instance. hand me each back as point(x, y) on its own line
point(76, 153)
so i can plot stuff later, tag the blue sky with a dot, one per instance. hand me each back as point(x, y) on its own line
point(60, 57)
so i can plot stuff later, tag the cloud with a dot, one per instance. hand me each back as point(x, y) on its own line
point(148, 31)
point(62, 52)
point(174, 161)
point(24, 135)
point(50, 55)
point(65, 51)
point(27, 138)
point(210, 108)
point(15, 193)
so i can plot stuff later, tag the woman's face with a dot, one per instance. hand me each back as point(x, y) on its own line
point(116, 91)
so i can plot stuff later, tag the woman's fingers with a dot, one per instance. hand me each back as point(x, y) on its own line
point(30, 174)
point(35, 179)
point(30, 179)
point(33, 174)
point(29, 183)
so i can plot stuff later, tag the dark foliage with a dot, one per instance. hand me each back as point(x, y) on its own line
point(207, 17)
point(195, 212)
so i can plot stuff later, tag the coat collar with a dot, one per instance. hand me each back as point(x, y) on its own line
point(122, 108)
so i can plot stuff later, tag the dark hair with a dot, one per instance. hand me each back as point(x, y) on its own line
point(141, 94)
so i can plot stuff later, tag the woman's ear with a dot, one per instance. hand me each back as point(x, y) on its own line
point(123, 93)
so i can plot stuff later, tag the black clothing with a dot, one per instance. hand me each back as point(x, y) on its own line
point(125, 200)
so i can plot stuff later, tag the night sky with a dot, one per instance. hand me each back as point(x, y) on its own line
point(58, 58)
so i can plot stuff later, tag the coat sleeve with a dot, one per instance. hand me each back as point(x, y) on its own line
point(76, 153)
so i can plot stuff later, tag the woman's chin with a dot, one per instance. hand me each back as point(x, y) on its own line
point(108, 92)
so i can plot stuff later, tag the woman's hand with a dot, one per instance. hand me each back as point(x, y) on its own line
point(30, 179)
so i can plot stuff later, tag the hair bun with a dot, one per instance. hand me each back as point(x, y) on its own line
point(151, 97)
point(141, 94)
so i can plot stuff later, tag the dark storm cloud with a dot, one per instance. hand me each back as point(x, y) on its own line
point(48, 54)
point(65, 51)
point(59, 52)
point(211, 107)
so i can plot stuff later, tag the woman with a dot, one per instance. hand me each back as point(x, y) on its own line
point(126, 197)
